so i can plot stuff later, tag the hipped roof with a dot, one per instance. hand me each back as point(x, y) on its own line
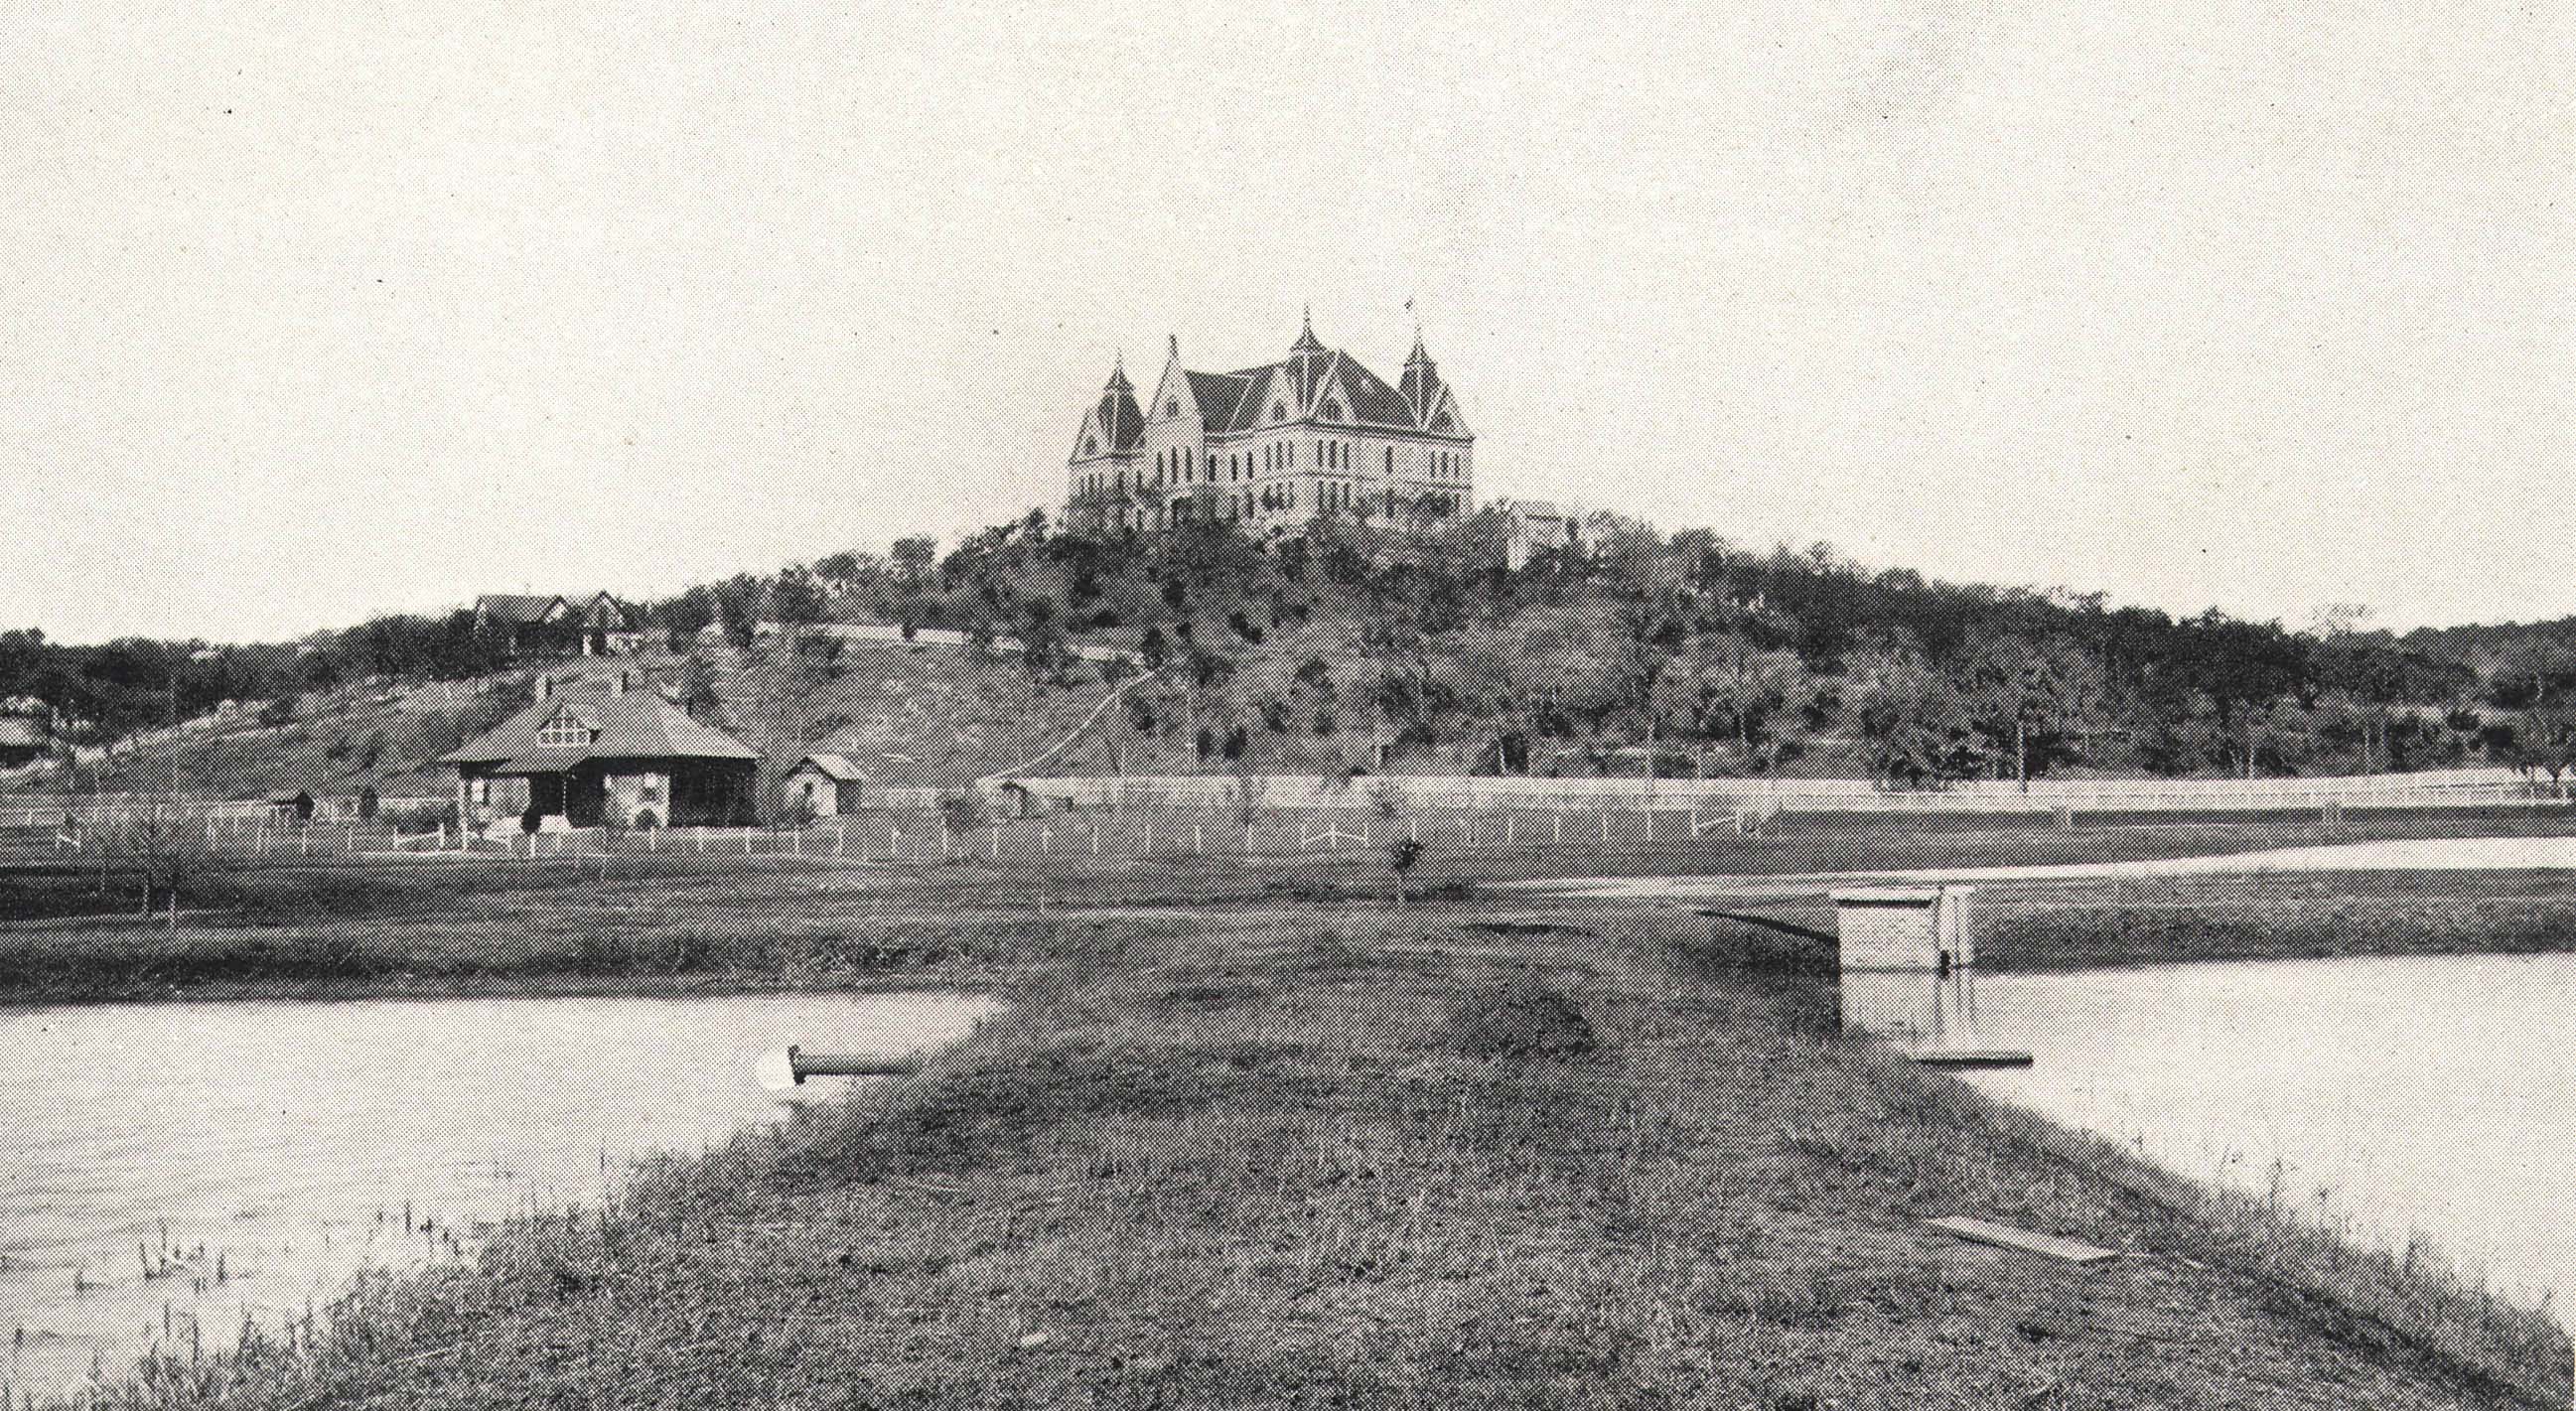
point(632, 725)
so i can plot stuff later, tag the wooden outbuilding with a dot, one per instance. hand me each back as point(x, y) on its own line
point(821, 785)
point(290, 805)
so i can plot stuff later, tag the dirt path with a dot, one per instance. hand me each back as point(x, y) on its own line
point(2398, 855)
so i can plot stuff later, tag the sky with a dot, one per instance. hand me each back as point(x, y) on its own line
point(315, 310)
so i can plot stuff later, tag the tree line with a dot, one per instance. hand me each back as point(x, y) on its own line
point(1370, 645)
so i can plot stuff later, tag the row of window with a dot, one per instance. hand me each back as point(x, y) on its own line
point(1180, 465)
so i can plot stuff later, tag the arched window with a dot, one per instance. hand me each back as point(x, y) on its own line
point(1090, 446)
point(1171, 406)
point(1278, 411)
point(1332, 411)
point(1390, 460)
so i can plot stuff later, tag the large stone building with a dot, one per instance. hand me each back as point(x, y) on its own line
point(1315, 433)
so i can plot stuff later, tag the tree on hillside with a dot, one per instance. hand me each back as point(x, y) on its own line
point(1750, 698)
point(2034, 699)
point(1912, 720)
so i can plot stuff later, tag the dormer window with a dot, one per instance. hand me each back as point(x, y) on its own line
point(565, 728)
point(1171, 406)
point(1090, 446)
point(1332, 411)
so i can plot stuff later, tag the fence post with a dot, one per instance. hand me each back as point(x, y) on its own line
point(746, 840)
point(1095, 840)
point(1556, 822)
point(1046, 841)
point(1198, 842)
point(702, 837)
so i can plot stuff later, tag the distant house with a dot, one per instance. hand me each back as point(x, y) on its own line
point(23, 740)
point(625, 756)
point(543, 625)
point(822, 785)
point(608, 627)
point(1537, 527)
point(290, 805)
point(536, 626)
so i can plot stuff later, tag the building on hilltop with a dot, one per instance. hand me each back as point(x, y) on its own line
point(623, 756)
point(550, 624)
point(1272, 446)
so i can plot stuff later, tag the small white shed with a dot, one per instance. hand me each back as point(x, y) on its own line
point(823, 785)
point(1904, 928)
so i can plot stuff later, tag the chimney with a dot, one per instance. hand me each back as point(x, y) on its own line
point(545, 687)
point(620, 688)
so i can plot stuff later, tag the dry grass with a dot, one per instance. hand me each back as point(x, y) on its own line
point(1242, 1159)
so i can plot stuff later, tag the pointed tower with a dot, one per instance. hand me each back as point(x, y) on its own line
point(1307, 359)
point(1421, 382)
point(1105, 455)
point(1122, 422)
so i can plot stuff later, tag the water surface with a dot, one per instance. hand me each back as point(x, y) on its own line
point(297, 1143)
point(2432, 1094)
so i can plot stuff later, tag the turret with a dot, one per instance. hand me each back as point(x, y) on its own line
point(1421, 382)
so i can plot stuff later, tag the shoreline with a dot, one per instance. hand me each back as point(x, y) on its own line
point(1249, 1160)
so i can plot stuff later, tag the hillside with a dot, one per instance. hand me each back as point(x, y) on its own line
point(1354, 646)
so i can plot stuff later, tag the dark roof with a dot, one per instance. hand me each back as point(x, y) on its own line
point(603, 612)
point(517, 607)
point(832, 766)
point(1218, 394)
point(632, 725)
point(1241, 400)
point(1372, 401)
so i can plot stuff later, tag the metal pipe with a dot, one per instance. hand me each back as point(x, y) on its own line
point(805, 1065)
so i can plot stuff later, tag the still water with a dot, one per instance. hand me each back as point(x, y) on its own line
point(256, 1156)
point(2420, 1095)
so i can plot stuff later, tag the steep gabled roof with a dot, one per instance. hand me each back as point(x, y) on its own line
point(836, 767)
point(519, 607)
point(1218, 394)
point(628, 725)
point(1372, 402)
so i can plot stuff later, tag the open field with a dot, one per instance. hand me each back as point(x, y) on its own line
point(1266, 1138)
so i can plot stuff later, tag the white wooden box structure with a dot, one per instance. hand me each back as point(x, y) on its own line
point(1904, 928)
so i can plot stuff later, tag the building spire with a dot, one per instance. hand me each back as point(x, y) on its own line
point(1306, 340)
point(1118, 375)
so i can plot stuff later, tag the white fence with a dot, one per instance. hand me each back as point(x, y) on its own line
point(1395, 793)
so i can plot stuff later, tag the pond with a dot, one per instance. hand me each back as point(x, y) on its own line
point(2417, 1095)
point(252, 1158)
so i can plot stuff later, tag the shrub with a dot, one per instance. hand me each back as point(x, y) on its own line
point(964, 810)
point(1521, 1020)
point(418, 818)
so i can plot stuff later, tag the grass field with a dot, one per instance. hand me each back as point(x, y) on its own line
point(1300, 1146)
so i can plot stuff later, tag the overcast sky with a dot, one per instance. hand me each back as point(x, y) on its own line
point(310, 310)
